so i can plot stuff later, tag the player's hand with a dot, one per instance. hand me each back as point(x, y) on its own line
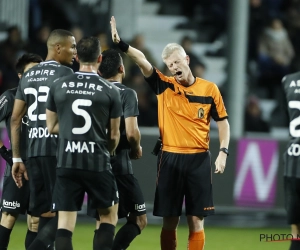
point(114, 33)
point(17, 171)
point(136, 154)
point(220, 163)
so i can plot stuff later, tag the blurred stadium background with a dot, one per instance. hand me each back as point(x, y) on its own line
point(244, 46)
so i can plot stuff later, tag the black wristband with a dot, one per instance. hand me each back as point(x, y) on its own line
point(6, 155)
point(3, 149)
point(225, 150)
point(123, 46)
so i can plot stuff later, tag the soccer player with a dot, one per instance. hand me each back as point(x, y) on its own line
point(291, 157)
point(15, 201)
point(131, 203)
point(85, 110)
point(31, 97)
point(185, 106)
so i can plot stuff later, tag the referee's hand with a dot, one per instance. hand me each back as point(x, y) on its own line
point(220, 163)
point(17, 171)
point(114, 33)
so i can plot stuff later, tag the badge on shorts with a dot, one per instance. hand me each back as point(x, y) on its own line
point(200, 113)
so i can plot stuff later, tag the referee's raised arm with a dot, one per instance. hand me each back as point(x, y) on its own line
point(136, 55)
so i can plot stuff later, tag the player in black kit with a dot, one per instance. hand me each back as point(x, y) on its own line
point(31, 97)
point(15, 201)
point(291, 85)
point(85, 109)
point(131, 204)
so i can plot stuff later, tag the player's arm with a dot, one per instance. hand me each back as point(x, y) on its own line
point(134, 137)
point(6, 104)
point(136, 55)
point(224, 137)
point(113, 134)
point(19, 111)
point(18, 168)
point(51, 112)
point(52, 122)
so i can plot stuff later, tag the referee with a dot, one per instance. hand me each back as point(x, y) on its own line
point(84, 109)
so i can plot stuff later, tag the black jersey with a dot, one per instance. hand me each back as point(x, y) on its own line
point(84, 103)
point(7, 100)
point(291, 84)
point(121, 163)
point(33, 89)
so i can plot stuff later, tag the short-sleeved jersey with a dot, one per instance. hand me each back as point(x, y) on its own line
point(184, 113)
point(84, 103)
point(7, 100)
point(33, 89)
point(121, 163)
point(291, 85)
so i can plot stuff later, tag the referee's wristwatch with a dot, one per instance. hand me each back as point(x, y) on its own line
point(225, 150)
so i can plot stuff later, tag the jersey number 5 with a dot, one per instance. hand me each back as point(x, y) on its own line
point(84, 114)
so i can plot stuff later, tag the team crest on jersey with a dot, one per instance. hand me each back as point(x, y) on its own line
point(200, 113)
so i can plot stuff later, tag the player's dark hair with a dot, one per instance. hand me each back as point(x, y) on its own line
point(88, 49)
point(111, 61)
point(25, 59)
point(58, 35)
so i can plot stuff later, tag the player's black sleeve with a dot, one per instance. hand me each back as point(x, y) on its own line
point(50, 100)
point(20, 94)
point(116, 106)
point(6, 105)
point(130, 103)
point(284, 101)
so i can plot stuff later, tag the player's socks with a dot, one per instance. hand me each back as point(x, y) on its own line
point(125, 236)
point(4, 237)
point(45, 237)
point(30, 236)
point(63, 240)
point(168, 239)
point(196, 240)
point(295, 245)
point(43, 221)
point(104, 237)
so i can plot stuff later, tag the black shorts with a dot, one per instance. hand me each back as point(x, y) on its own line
point(131, 198)
point(14, 200)
point(41, 173)
point(71, 185)
point(182, 176)
point(292, 199)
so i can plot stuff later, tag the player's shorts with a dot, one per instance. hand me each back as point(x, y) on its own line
point(41, 173)
point(183, 178)
point(292, 199)
point(14, 200)
point(131, 198)
point(71, 185)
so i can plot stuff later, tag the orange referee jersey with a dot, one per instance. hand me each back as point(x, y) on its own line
point(184, 112)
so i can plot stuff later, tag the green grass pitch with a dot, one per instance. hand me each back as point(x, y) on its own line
point(216, 238)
